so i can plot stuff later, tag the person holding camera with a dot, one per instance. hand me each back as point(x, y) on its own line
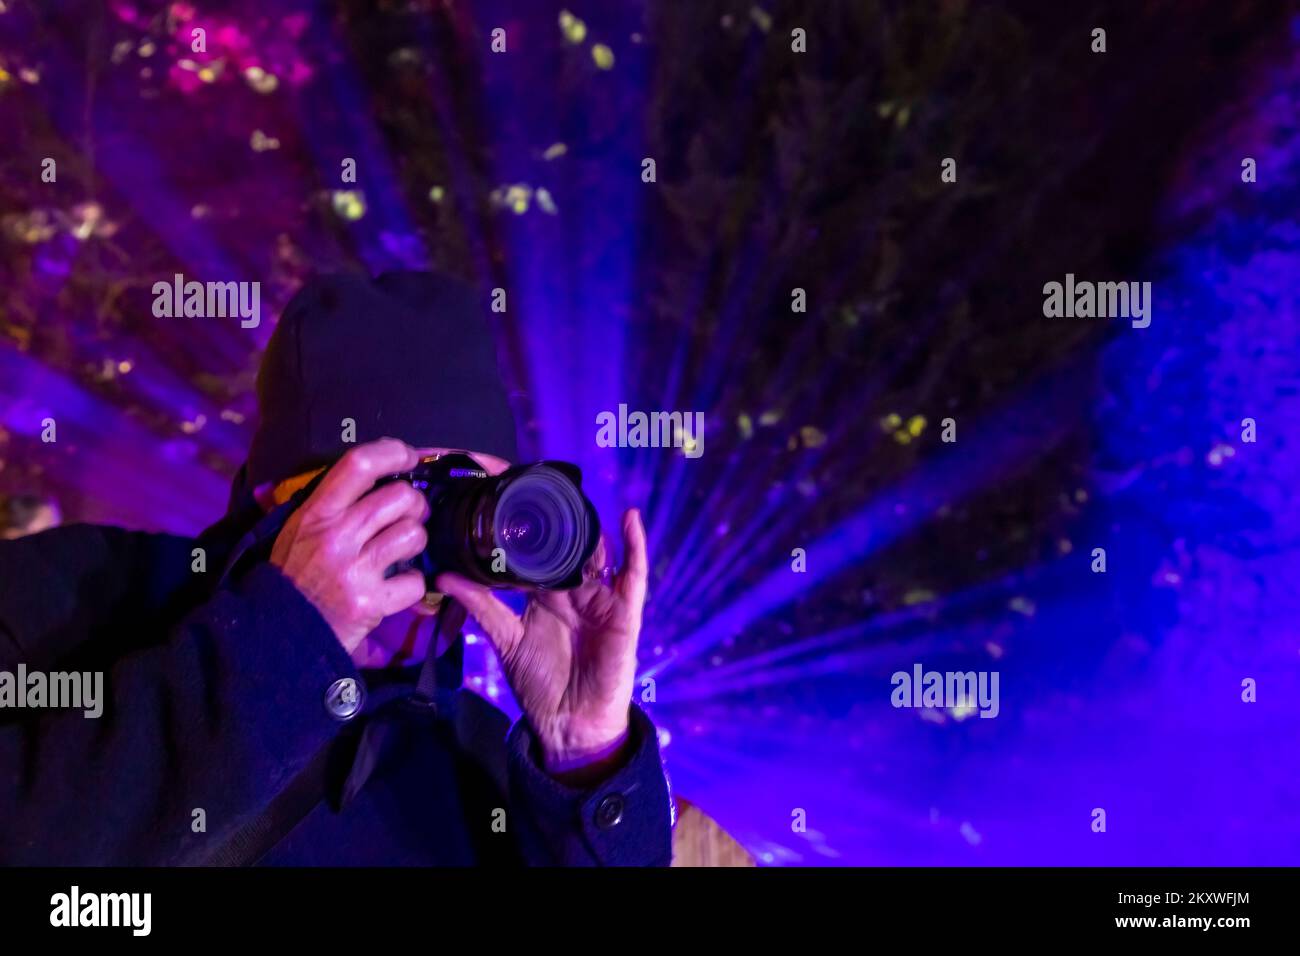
point(285, 689)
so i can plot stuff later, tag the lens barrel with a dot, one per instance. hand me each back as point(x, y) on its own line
point(529, 527)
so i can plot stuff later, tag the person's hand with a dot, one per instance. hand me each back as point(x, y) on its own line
point(571, 658)
point(337, 545)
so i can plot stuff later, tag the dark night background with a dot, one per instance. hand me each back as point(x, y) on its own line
point(775, 170)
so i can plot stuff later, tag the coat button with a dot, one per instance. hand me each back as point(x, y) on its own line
point(610, 811)
point(344, 698)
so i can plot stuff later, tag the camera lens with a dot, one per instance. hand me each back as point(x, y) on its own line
point(541, 524)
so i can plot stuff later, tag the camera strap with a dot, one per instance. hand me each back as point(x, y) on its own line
point(427, 698)
point(442, 646)
point(266, 529)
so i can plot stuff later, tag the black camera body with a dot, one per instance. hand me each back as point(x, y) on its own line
point(530, 527)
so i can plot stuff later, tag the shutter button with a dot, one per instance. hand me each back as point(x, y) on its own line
point(344, 698)
point(610, 812)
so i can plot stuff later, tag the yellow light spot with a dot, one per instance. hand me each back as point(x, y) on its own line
point(812, 436)
point(574, 30)
point(916, 425)
point(918, 596)
point(260, 80)
point(762, 18)
point(261, 143)
point(86, 218)
point(37, 227)
point(890, 422)
point(517, 198)
point(746, 425)
point(348, 203)
point(770, 417)
point(902, 437)
point(555, 151)
point(436, 193)
point(146, 49)
point(963, 710)
point(603, 56)
point(125, 366)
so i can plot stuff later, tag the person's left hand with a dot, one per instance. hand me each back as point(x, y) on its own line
point(571, 658)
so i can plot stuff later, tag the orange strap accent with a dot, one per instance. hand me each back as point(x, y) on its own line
point(290, 486)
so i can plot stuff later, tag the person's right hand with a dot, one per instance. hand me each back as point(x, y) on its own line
point(337, 545)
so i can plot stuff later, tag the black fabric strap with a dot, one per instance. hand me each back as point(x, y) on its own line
point(310, 786)
point(296, 800)
point(377, 731)
point(285, 812)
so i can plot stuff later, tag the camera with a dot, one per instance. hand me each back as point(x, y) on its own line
point(529, 527)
